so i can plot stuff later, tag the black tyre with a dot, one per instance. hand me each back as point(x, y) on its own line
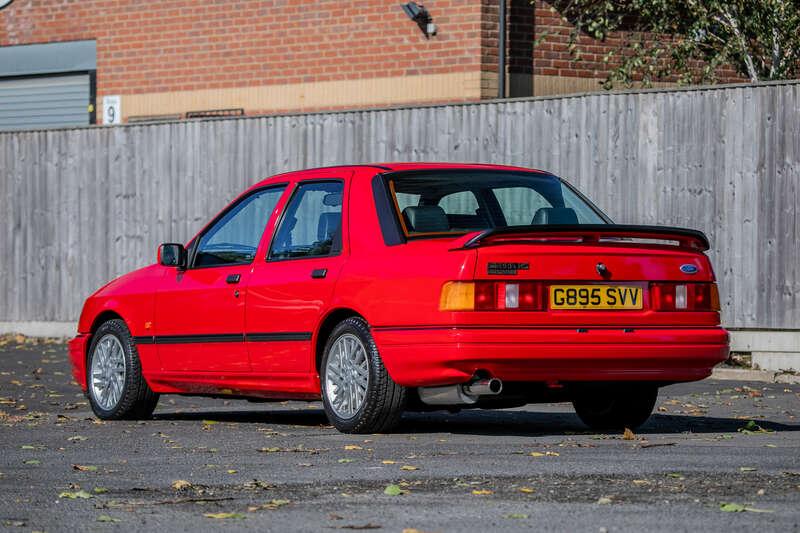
point(116, 388)
point(615, 407)
point(358, 394)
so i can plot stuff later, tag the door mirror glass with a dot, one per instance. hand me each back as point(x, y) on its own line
point(172, 254)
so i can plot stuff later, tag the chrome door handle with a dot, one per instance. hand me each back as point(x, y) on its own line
point(233, 278)
point(319, 273)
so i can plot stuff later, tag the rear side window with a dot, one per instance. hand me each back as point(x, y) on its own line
point(234, 238)
point(311, 224)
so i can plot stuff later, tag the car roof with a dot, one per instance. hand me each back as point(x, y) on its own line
point(394, 167)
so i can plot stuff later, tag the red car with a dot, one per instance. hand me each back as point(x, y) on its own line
point(392, 287)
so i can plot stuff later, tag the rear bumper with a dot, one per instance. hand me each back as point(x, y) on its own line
point(418, 357)
point(77, 356)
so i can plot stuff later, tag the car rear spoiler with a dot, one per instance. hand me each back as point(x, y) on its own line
point(588, 233)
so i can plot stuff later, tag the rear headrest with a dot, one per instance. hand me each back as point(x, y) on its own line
point(554, 215)
point(426, 218)
point(328, 225)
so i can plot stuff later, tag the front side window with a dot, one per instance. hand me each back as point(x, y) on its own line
point(460, 202)
point(311, 225)
point(234, 238)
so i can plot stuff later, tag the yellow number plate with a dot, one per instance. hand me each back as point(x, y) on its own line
point(595, 297)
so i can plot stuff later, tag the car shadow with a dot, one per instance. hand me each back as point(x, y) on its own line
point(541, 424)
point(495, 422)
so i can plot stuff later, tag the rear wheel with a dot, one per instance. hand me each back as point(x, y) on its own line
point(358, 394)
point(616, 407)
point(117, 389)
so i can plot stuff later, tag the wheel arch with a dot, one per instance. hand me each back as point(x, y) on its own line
point(326, 327)
point(101, 318)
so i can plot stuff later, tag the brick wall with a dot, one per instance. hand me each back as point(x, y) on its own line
point(172, 56)
point(186, 45)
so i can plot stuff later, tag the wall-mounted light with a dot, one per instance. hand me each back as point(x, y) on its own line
point(420, 15)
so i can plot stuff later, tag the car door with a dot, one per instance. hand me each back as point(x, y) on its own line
point(199, 315)
point(290, 290)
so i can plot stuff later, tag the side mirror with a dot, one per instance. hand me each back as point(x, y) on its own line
point(172, 254)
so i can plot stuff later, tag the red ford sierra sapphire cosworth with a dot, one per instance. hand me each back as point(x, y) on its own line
point(392, 287)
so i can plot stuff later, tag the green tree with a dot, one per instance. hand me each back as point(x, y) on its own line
point(690, 39)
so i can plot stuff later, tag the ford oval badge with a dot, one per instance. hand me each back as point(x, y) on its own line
point(689, 269)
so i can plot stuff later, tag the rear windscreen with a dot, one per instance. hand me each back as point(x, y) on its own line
point(441, 203)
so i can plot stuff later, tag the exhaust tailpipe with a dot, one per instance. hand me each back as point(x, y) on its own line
point(464, 394)
point(484, 387)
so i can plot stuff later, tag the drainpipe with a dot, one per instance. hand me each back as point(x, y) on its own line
point(501, 52)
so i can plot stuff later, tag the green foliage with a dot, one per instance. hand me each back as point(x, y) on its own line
point(690, 39)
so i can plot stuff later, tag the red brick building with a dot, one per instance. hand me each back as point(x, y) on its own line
point(171, 58)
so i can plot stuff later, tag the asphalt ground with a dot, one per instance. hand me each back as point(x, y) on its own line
point(716, 456)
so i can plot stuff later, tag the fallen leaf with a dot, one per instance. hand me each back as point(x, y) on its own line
point(394, 490)
point(408, 467)
point(274, 504)
point(106, 518)
point(32, 462)
point(210, 423)
point(628, 434)
point(353, 447)
point(100, 490)
point(81, 494)
point(747, 469)
point(77, 438)
point(85, 468)
point(388, 462)
point(517, 516)
point(752, 428)
point(231, 471)
point(604, 500)
point(739, 508)
point(181, 484)
point(345, 460)
point(527, 490)
point(225, 516)
point(482, 492)
point(269, 450)
point(544, 454)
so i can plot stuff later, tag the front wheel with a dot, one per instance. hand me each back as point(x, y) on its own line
point(117, 389)
point(358, 394)
point(616, 407)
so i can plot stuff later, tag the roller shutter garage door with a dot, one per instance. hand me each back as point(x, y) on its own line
point(44, 102)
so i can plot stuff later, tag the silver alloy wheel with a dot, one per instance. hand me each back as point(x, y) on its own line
point(346, 375)
point(108, 372)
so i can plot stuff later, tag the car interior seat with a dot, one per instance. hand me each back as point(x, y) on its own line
point(554, 215)
point(426, 219)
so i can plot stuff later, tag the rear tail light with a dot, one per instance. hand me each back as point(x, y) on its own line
point(684, 296)
point(492, 296)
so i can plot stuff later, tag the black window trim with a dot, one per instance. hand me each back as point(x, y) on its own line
point(389, 222)
point(194, 243)
point(279, 222)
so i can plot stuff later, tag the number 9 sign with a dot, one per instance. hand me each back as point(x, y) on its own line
point(112, 110)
